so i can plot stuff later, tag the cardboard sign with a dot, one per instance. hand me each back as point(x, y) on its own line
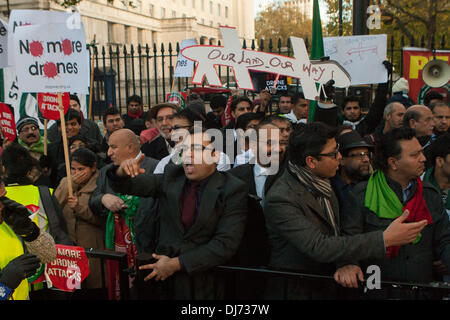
point(7, 122)
point(3, 44)
point(242, 60)
point(184, 66)
point(414, 60)
point(19, 18)
point(361, 56)
point(69, 268)
point(49, 105)
point(53, 59)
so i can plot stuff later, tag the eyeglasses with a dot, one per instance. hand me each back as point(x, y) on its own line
point(31, 128)
point(330, 154)
point(181, 127)
point(360, 155)
point(195, 148)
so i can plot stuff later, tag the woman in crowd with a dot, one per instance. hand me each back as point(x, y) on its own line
point(84, 228)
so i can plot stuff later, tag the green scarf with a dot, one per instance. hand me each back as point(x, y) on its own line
point(129, 213)
point(35, 147)
point(381, 199)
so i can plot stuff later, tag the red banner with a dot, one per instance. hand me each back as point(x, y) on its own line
point(69, 268)
point(414, 60)
point(49, 105)
point(7, 121)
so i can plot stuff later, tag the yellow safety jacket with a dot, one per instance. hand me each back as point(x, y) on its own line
point(28, 196)
point(11, 248)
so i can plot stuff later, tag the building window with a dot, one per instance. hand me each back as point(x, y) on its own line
point(163, 13)
point(203, 21)
point(218, 10)
point(193, 3)
point(184, 15)
point(210, 7)
point(174, 14)
point(151, 10)
point(203, 5)
point(211, 23)
point(226, 12)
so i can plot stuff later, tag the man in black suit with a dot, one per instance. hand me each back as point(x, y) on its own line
point(202, 216)
point(259, 175)
point(161, 146)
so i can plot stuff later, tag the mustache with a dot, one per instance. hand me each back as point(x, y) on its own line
point(31, 135)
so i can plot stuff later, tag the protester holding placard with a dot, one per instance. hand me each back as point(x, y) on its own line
point(84, 227)
point(89, 128)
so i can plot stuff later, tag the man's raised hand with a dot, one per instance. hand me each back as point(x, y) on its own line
point(131, 167)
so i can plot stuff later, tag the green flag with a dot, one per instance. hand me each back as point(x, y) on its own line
point(316, 50)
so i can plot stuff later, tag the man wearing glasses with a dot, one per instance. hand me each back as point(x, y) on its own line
point(161, 146)
point(303, 223)
point(202, 214)
point(30, 137)
point(354, 165)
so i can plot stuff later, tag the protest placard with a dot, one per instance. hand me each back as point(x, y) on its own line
point(3, 44)
point(361, 56)
point(242, 60)
point(19, 18)
point(53, 58)
point(7, 122)
point(184, 66)
point(49, 105)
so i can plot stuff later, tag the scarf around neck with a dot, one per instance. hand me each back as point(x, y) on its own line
point(384, 202)
point(320, 187)
point(37, 147)
point(135, 115)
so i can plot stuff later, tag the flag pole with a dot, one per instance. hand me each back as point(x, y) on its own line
point(65, 144)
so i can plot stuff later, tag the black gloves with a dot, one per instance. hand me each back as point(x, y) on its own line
point(388, 66)
point(328, 91)
point(16, 216)
point(16, 270)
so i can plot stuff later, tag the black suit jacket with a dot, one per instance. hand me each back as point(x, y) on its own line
point(214, 236)
point(254, 248)
point(156, 149)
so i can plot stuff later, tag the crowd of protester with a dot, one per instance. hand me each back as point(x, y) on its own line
point(182, 191)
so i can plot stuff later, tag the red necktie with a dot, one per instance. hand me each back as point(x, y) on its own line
point(190, 199)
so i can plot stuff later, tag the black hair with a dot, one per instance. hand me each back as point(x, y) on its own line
point(110, 112)
point(85, 157)
point(134, 98)
point(77, 137)
point(438, 104)
point(296, 97)
point(285, 94)
point(440, 147)
point(309, 140)
point(218, 101)
point(189, 115)
point(17, 161)
point(75, 97)
point(237, 100)
point(244, 119)
point(350, 98)
point(71, 114)
point(389, 146)
point(432, 95)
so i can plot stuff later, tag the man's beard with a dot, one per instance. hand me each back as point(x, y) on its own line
point(357, 175)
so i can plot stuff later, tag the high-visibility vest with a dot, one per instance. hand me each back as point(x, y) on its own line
point(28, 196)
point(10, 248)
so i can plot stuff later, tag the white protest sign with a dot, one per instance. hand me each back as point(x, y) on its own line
point(20, 18)
point(184, 66)
point(361, 56)
point(243, 60)
point(3, 44)
point(52, 58)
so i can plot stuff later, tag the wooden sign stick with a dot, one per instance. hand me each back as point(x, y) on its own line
point(65, 144)
point(45, 136)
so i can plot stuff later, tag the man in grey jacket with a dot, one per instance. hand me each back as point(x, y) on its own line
point(302, 218)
